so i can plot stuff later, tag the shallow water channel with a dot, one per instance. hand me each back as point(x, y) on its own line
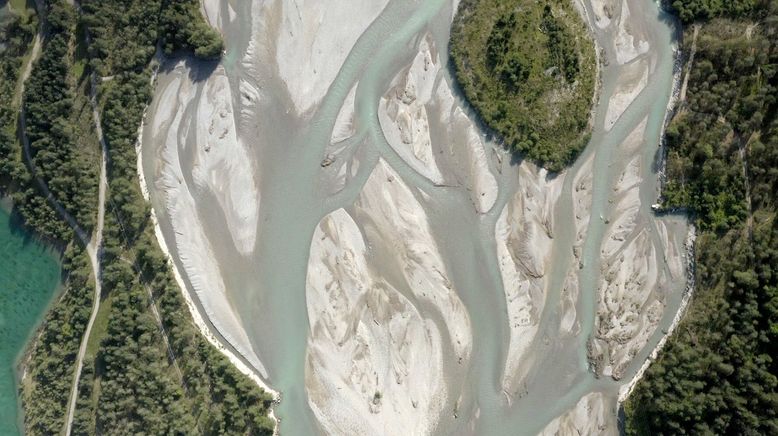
point(266, 286)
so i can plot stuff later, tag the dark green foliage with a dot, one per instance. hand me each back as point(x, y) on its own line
point(719, 371)
point(83, 419)
point(528, 68)
point(131, 386)
point(140, 389)
point(124, 34)
point(52, 359)
point(561, 54)
point(729, 96)
point(226, 401)
point(691, 10)
point(50, 104)
point(183, 28)
point(125, 98)
point(16, 35)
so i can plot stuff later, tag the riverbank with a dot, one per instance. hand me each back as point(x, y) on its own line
point(204, 328)
point(139, 299)
point(717, 354)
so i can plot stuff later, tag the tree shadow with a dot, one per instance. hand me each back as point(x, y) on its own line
point(199, 69)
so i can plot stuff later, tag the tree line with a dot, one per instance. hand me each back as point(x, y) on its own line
point(718, 373)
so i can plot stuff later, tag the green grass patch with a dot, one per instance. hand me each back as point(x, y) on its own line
point(528, 68)
point(99, 328)
point(79, 53)
point(23, 8)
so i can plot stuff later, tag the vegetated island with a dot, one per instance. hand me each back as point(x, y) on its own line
point(533, 88)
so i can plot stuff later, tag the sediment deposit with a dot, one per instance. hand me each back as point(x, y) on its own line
point(343, 222)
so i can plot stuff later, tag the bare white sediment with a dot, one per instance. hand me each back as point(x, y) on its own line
point(204, 328)
point(634, 281)
point(389, 212)
point(582, 202)
point(688, 266)
point(628, 42)
point(389, 338)
point(524, 238)
point(372, 359)
point(222, 165)
point(193, 245)
point(315, 38)
point(603, 12)
point(626, 389)
point(466, 150)
point(592, 415)
point(375, 361)
point(631, 82)
point(344, 123)
point(403, 113)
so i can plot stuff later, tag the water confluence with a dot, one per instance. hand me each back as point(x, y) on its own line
point(268, 286)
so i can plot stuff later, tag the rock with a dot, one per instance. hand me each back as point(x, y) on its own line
point(328, 160)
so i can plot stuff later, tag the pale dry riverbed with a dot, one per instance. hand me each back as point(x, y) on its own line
point(351, 235)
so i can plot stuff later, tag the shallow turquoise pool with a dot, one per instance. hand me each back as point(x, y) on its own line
point(29, 278)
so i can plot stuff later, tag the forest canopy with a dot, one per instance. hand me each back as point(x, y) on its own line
point(718, 373)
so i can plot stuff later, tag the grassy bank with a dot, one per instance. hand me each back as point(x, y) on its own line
point(528, 68)
point(718, 373)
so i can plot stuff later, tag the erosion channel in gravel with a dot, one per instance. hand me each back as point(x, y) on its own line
point(344, 225)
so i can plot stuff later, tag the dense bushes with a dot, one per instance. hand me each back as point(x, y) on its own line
point(53, 355)
point(719, 371)
point(60, 157)
point(15, 180)
point(690, 10)
point(528, 68)
point(139, 388)
point(126, 32)
point(226, 400)
point(139, 391)
point(183, 28)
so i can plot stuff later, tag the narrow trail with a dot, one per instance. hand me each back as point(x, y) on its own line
point(692, 50)
point(743, 152)
point(98, 236)
point(93, 244)
point(82, 235)
point(94, 254)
